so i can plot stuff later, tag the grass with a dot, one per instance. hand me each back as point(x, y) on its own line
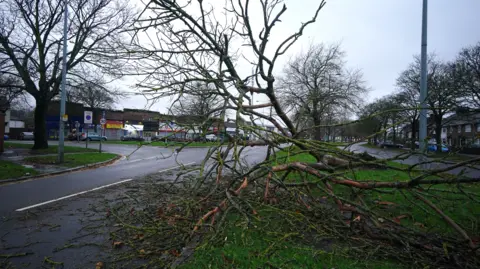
point(12, 170)
point(52, 149)
point(402, 203)
point(263, 245)
point(73, 160)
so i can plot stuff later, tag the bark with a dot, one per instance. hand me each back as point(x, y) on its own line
point(318, 130)
point(438, 133)
point(385, 131)
point(412, 146)
point(40, 140)
point(394, 132)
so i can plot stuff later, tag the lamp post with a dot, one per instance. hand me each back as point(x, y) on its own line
point(61, 137)
point(422, 132)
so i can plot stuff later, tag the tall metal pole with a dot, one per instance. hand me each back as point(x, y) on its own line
point(61, 136)
point(423, 81)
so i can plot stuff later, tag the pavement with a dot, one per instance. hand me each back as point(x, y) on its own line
point(140, 162)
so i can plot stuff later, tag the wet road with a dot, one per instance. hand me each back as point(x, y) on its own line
point(141, 162)
point(414, 159)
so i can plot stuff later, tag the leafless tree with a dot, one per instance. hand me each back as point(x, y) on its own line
point(31, 44)
point(468, 68)
point(317, 86)
point(444, 90)
point(184, 42)
point(199, 102)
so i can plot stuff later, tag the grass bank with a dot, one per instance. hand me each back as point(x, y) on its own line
point(12, 170)
point(72, 160)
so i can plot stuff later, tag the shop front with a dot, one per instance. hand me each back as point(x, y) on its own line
point(114, 129)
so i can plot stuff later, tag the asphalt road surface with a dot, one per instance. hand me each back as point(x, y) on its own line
point(141, 162)
point(414, 159)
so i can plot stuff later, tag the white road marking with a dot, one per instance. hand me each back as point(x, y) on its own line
point(168, 169)
point(94, 189)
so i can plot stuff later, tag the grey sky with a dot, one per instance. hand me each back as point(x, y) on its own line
point(379, 36)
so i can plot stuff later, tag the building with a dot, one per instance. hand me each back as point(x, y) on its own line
point(74, 112)
point(462, 129)
point(134, 119)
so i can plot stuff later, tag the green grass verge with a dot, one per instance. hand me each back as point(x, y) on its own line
point(271, 241)
point(73, 160)
point(12, 170)
point(52, 149)
point(456, 203)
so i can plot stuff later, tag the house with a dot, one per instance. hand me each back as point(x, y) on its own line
point(462, 129)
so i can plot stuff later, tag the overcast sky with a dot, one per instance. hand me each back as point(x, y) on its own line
point(379, 36)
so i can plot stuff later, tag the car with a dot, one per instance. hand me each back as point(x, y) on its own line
point(158, 138)
point(92, 137)
point(389, 144)
point(5, 137)
point(211, 137)
point(131, 138)
point(26, 136)
point(433, 147)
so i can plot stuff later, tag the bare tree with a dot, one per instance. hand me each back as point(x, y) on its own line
point(444, 90)
point(200, 101)
point(30, 40)
point(317, 86)
point(468, 68)
point(188, 44)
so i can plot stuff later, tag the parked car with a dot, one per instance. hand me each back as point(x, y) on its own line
point(433, 147)
point(211, 137)
point(389, 144)
point(131, 138)
point(92, 137)
point(26, 136)
point(5, 137)
point(158, 138)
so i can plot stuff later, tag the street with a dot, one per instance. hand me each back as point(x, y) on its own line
point(414, 159)
point(143, 161)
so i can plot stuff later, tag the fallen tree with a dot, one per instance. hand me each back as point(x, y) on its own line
point(191, 44)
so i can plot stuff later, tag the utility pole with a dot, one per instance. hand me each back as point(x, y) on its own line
point(61, 136)
point(423, 82)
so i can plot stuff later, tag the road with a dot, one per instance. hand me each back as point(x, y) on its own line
point(141, 162)
point(414, 159)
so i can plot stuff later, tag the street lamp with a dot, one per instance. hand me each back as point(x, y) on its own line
point(422, 132)
point(61, 137)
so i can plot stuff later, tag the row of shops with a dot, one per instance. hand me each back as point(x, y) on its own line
point(127, 122)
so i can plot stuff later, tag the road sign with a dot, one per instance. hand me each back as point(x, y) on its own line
point(103, 121)
point(65, 117)
point(87, 117)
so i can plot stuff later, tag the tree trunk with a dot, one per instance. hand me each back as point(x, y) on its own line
point(394, 132)
point(40, 133)
point(384, 132)
point(438, 133)
point(318, 131)
point(412, 146)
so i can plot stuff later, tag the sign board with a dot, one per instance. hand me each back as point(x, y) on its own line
point(87, 117)
point(103, 121)
point(150, 126)
point(65, 117)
